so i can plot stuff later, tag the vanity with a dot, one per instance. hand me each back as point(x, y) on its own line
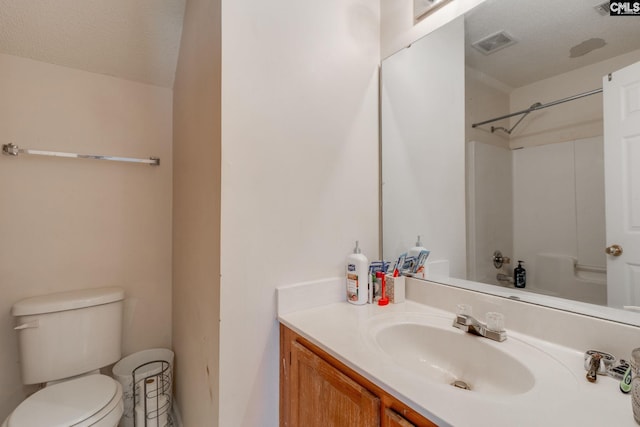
point(461, 161)
point(398, 365)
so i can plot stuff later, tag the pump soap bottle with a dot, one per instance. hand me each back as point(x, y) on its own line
point(415, 251)
point(413, 254)
point(417, 256)
point(357, 277)
point(520, 275)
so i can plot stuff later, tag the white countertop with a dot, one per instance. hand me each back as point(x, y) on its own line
point(341, 328)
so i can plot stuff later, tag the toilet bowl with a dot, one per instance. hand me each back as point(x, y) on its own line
point(94, 400)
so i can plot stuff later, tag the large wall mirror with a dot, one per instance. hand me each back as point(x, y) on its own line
point(534, 186)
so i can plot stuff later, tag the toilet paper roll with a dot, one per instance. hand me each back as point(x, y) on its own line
point(151, 391)
point(157, 412)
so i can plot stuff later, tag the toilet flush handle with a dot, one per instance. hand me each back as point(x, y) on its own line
point(27, 325)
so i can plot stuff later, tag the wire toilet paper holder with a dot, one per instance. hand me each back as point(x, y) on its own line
point(151, 390)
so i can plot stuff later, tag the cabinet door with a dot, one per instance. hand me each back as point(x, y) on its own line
point(321, 396)
point(393, 419)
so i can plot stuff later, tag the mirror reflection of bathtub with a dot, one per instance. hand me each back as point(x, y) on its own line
point(548, 202)
point(562, 276)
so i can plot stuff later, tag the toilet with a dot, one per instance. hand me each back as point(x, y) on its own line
point(64, 339)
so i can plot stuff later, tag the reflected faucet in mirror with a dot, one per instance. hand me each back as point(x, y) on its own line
point(499, 260)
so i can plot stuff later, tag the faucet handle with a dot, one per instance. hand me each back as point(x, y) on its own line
point(464, 310)
point(495, 321)
point(594, 365)
point(606, 360)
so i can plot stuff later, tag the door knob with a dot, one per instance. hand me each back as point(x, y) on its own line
point(614, 250)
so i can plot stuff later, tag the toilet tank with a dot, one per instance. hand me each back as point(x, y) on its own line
point(68, 333)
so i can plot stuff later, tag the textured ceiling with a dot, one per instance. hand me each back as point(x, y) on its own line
point(546, 30)
point(131, 39)
point(139, 39)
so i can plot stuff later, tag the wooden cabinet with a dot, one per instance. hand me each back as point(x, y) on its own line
point(317, 390)
point(392, 419)
point(323, 396)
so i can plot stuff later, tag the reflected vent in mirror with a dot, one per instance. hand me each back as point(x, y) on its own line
point(494, 42)
point(603, 9)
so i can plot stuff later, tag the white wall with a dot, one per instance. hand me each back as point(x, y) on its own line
point(299, 173)
point(423, 155)
point(73, 223)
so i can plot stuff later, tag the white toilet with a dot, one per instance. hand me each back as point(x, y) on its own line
point(64, 339)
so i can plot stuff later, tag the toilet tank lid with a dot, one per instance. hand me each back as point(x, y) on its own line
point(69, 300)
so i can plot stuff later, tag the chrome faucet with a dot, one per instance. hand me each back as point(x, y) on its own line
point(504, 279)
point(470, 324)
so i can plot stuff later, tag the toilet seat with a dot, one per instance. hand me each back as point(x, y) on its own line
point(81, 402)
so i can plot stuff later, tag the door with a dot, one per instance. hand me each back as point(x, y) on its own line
point(322, 396)
point(621, 95)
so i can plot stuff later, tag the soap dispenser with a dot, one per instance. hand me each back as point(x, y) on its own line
point(520, 275)
point(415, 251)
point(357, 277)
point(414, 255)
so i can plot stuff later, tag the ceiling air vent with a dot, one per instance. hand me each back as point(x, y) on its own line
point(603, 9)
point(494, 42)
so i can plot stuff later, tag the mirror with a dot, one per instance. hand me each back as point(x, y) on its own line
point(531, 186)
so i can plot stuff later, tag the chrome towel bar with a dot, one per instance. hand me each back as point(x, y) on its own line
point(14, 150)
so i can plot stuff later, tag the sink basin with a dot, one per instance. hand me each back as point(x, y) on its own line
point(431, 348)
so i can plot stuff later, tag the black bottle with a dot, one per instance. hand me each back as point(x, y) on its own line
point(519, 276)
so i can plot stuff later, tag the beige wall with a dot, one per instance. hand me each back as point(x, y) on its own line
point(299, 173)
point(196, 212)
point(485, 98)
point(71, 223)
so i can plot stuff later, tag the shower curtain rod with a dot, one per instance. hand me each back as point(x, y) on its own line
point(14, 150)
point(534, 107)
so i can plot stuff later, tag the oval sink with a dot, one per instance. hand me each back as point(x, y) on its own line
point(431, 348)
point(446, 356)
